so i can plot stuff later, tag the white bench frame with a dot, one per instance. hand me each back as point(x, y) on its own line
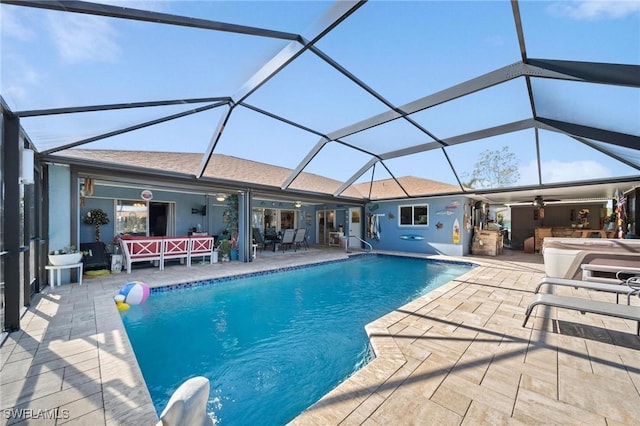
point(161, 249)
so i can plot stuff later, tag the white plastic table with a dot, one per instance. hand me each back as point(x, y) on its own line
point(58, 269)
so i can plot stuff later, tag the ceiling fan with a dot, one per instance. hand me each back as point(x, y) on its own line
point(540, 202)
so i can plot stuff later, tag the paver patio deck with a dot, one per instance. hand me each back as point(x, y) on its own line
point(457, 355)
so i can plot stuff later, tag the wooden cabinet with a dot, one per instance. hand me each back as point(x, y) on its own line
point(487, 243)
point(540, 234)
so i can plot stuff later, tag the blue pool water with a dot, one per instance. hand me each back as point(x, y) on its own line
point(272, 345)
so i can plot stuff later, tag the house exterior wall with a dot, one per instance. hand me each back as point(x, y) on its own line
point(104, 198)
point(434, 238)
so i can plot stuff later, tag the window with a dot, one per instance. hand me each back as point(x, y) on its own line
point(414, 215)
point(131, 217)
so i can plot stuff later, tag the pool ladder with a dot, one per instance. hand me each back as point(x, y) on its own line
point(346, 246)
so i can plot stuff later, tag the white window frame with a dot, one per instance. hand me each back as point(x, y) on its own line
point(413, 224)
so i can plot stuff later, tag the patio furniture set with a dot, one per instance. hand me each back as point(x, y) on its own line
point(289, 238)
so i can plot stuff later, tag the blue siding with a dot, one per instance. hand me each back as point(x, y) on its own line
point(436, 240)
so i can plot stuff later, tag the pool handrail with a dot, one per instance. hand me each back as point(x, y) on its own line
point(346, 246)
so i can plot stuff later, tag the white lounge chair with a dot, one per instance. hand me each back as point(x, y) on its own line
point(629, 287)
point(585, 305)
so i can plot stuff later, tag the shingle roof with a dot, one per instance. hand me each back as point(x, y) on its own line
point(229, 168)
point(414, 186)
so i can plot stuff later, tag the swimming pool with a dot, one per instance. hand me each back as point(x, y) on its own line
point(272, 345)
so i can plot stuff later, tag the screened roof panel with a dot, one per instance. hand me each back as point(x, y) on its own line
point(337, 161)
point(191, 133)
point(584, 162)
point(594, 31)
point(418, 172)
point(509, 102)
point(410, 49)
point(455, 67)
point(90, 60)
point(615, 108)
point(628, 154)
point(51, 131)
point(491, 157)
point(396, 134)
point(312, 93)
point(255, 136)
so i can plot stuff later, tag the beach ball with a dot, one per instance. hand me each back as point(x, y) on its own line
point(134, 293)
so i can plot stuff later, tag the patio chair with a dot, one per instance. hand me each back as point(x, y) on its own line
point(271, 237)
point(287, 239)
point(585, 305)
point(629, 287)
point(258, 238)
point(300, 239)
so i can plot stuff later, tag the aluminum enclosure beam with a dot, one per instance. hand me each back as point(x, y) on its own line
point(454, 140)
point(338, 12)
point(11, 230)
point(132, 128)
point(593, 72)
point(485, 81)
point(608, 136)
point(149, 16)
point(108, 107)
point(307, 159)
point(206, 157)
point(467, 137)
point(355, 176)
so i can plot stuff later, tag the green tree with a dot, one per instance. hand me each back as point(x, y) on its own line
point(495, 169)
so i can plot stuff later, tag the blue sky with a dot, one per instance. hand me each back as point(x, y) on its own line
point(403, 50)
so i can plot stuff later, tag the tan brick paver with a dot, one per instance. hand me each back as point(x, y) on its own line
point(457, 355)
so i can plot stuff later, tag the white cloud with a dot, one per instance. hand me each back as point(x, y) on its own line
point(595, 9)
point(15, 26)
point(80, 38)
point(20, 80)
point(558, 171)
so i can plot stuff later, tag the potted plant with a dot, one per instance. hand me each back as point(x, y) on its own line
point(68, 255)
point(225, 249)
point(96, 217)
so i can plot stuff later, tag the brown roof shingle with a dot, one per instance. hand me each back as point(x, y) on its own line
point(241, 170)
